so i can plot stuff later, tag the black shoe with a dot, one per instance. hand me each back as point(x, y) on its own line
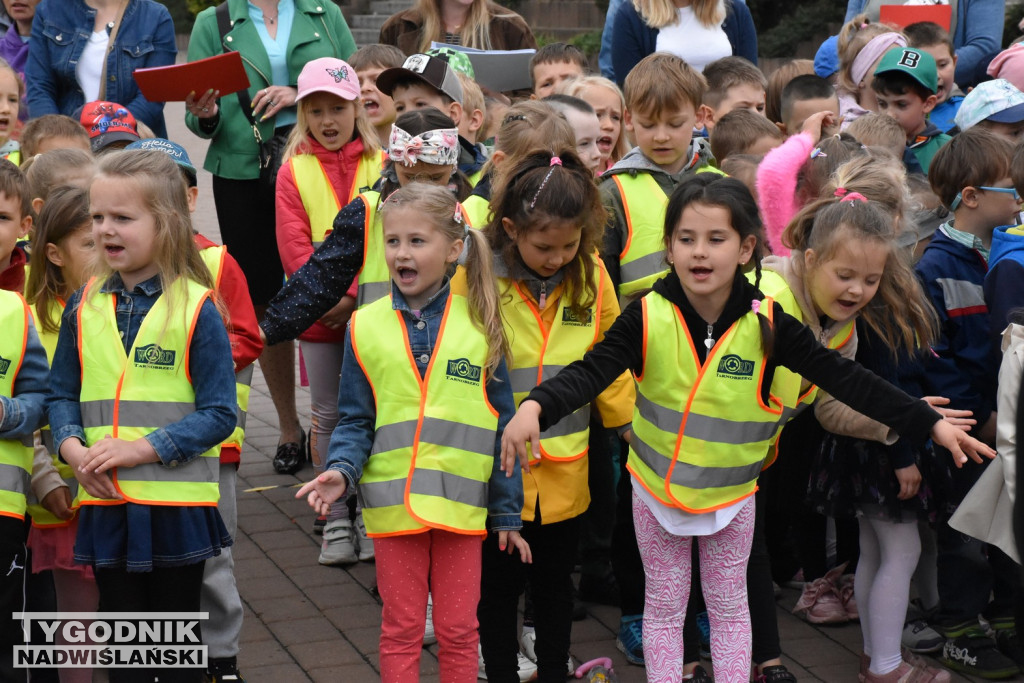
point(699, 675)
point(1009, 644)
point(579, 610)
point(976, 654)
point(223, 671)
point(602, 590)
point(776, 674)
point(291, 456)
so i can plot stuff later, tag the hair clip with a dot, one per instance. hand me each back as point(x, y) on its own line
point(854, 197)
point(555, 161)
point(755, 306)
point(458, 213)
point(513, 117)
point(840, 192)
point(816, 152)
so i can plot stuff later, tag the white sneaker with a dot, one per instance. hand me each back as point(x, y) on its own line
point(428, 633)
point(364, 542)
point(338, 546)
point(528, 643)
point(527, 669)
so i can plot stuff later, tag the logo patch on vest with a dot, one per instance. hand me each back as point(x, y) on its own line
point(570, 318)
point(735, 367)
point(5, 365)
point(461, 370)
point(152, 356)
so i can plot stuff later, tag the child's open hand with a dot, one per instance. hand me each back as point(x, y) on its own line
point(328, 487)
point(109, 452)
point(510, 541)
point(957, 418)
point(959, 443)
point(522, 429)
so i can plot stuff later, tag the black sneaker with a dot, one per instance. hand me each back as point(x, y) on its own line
point(291, 456)
point(223, 671)
point(976, 654)
point(699, 675)
point(776, 674)
point(1009, 644)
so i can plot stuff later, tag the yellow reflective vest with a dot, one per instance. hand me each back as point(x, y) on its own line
point(15, 456)
point(318, 195)
point(433, 446)
point(642, 260)
point(374, 278)
point(41, 517)
point(477, 211)
point(539, 355)
point(213, 257)
point(700, 432)
point(130, 395)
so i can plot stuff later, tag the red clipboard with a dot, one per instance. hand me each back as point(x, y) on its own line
point(223, 72)
point(902, 16)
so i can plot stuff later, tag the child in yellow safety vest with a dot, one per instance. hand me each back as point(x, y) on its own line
point(62, 257)
point(332, 156)
point(557, 301)
point(427, 394)
point(143, 394)
point(704, 347)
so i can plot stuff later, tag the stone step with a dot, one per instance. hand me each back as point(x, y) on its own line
point(365, 36)
point(389, 7)
point(374, 21)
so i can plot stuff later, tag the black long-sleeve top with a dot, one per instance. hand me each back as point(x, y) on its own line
point(795, 347)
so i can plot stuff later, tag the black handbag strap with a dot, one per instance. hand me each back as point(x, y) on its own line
point(224, 26)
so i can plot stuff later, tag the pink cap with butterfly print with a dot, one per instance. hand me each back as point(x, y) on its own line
point(330, 75)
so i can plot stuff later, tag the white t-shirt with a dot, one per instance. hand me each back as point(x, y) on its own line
point(694, 42)
point(682, 523)
point(91, 65)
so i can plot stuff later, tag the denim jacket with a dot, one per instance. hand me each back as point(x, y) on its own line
point(60, 32)
point(23, 414)
point(210, 366)
point(352, 439)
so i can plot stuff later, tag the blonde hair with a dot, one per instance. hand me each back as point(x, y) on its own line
point(298, 139)
point(51, 126)
point(161, 187)
point(854, 35)
point(528, 126)
point(438, 206)
point(578, 86)
point(472, 99)
point(57, 167)
point(778, 80)
point(475, 32)
point(662, 13)
point(878, 130)
point(900, 314)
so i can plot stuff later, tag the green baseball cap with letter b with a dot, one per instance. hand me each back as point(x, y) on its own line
point(917, 64)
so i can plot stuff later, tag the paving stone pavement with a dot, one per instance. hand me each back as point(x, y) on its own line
point(305, 622)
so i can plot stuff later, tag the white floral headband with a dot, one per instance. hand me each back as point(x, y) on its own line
point(439, 146)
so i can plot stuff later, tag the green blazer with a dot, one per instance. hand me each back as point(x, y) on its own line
point(318, 30)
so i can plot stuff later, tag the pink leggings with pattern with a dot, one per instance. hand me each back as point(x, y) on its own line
point(723, 564)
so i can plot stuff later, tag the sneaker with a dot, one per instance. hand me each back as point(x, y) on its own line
point(223, 671)
point(844, 586)
point(699, 675)
point(318, 525)
point(528, 643)
point(1009, 644)
point(630, 639)
point(338, 546)
point(910, 673)
point(921, 638)
point(704, 627)
point(975, 653)
point(527, 669)
point(363, 542)
point(428, 631)
point(820, 604)
point(777, 673)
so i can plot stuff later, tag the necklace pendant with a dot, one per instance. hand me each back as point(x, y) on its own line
point(709, 342)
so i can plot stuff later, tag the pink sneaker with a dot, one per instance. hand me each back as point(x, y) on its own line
point(910, 673)
point(820, 603)
point(844, 587)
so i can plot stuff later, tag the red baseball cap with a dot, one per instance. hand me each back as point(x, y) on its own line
point(108, 122)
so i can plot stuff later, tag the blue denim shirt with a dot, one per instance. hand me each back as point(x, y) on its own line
point(352, 439)
point(210, 365)
point(23, 414)
point(60, 32)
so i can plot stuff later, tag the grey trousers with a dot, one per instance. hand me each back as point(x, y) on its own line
point(220, 594)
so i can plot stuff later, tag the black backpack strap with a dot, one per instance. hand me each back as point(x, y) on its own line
point(224, 27)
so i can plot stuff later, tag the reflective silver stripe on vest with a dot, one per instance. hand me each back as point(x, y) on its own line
point(316, 245)
point(199, 469)
point(525, 379)
point(694, 476)
point(643, 267)
point(244, 376)
point(371, 291)
point(435, 431)
point(705, 427)
point(14, 479)
point(570, 424)
point(378, 494)
point(27, 441)
point(961, 294)
point(155, 414)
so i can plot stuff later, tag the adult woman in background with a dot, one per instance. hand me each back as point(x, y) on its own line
point(276, 38)
point(698, 31)
point(480, 24)
point(86, 50)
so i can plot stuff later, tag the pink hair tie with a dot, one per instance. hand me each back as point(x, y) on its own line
point(840, 192)
point(755, 306)
point(854, 196)
point(458, 214)
point(555, 161)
